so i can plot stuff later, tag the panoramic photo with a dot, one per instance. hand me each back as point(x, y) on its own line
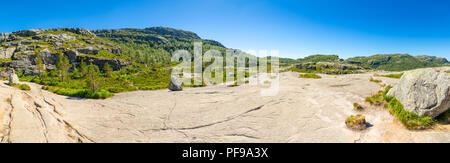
point(225, 71)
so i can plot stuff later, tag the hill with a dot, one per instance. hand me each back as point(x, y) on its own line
point(397, 62)
point(319, 58)
point(97, 63)
point(155, 45)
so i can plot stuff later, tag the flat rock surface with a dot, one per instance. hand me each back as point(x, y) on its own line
point(304, 110)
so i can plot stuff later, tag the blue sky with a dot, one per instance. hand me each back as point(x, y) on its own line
point(295, 28)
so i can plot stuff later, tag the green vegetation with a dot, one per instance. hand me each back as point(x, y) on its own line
point(395, 76)
point(394, 62)
point(325, 68)
point(86, 80)
point(24, 87)
point(408, 119)
point(313, 76)
point(5, 60)
point(155, 45)
point(8, 100)
point(375, 80)
point(319, 58)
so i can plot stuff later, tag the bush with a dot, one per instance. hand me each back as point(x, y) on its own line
point(309, 75)
point(24, 87)
point(357, 122)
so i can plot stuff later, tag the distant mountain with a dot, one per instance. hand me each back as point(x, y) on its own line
point(388, 62)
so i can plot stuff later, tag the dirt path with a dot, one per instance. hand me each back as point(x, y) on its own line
point(304, 110)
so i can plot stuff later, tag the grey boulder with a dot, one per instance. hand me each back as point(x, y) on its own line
point(425, 92)
point(175, 84)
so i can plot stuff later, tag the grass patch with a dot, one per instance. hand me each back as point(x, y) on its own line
point(102, 94)
point(375, 80)
point(309, 75)
point(24, 87)
point(394, 76)
point(5, 60)
point(409, 119)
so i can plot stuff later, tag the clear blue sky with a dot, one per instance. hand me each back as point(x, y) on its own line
point(295, 28)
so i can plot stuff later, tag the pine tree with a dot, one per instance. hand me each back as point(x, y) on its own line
point(107, 69)
point(63, 67)
point(92, 77)
point(83, 68)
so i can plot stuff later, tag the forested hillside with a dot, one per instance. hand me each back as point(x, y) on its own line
point(155, 45)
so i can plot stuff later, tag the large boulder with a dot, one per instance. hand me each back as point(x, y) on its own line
point(175, 84)
point(425, 92)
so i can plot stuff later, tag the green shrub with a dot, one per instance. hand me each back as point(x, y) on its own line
point(309, 75)
point(24, 87)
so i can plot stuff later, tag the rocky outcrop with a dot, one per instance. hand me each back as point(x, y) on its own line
point(175, 84)
point(6, 52)
point(425, 92)
point(23, 47)
point(115, 64)
point(28, 33)
point(48, 57)
point(88, 50)
point(54, 38)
